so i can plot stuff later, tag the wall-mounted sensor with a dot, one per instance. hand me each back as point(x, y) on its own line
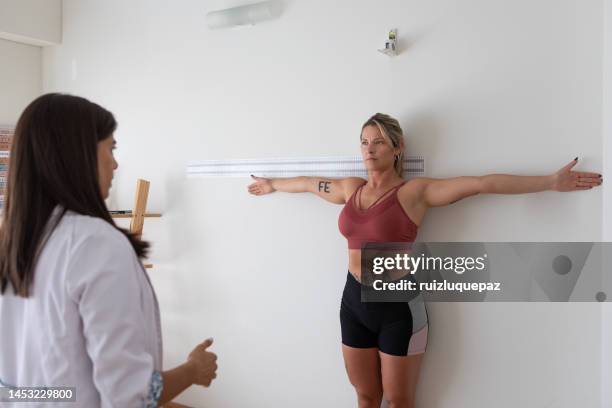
point(391, 43)
point(249, 14)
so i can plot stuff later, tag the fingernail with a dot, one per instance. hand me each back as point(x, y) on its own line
point(600, 176)
point(576, 158)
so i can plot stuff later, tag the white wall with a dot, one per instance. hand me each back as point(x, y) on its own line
point(606, 321)
point(34, 22)
point(20, 79)
point(481, 86)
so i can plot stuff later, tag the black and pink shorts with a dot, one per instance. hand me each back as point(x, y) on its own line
point(398, 328)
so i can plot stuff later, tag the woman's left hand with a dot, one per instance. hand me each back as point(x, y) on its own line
point(568, 180)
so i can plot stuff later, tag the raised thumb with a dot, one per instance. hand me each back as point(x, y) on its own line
point(207, 343)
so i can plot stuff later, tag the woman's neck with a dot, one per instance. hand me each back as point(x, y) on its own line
point(378, 179)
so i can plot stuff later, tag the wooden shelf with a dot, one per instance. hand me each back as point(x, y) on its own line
point(138, 214)
point(148, 215)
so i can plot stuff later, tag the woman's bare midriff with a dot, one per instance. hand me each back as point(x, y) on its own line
point(354, 265)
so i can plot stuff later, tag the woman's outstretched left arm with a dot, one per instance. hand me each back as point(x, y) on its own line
point(440, 192)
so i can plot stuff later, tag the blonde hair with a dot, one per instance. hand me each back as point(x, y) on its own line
point(390, 128)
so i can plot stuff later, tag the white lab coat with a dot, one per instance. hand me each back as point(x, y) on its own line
point(91, 321)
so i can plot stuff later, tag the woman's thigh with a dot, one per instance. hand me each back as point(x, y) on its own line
point(363, 369)
point(400, 375)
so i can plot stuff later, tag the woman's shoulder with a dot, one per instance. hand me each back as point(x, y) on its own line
point(352, 183)
point(84, 228)
point(354, 180)
point(412, 189)
point(415, 184)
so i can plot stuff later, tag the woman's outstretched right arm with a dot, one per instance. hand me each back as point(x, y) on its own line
point(336, 191)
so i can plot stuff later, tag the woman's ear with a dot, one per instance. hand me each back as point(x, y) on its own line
point(401, 147)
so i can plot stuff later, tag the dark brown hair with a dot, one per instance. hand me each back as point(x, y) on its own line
point(53, 161)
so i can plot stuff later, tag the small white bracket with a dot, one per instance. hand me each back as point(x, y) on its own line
point(391, 43)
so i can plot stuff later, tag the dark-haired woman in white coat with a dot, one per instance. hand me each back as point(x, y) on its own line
point(77, 308)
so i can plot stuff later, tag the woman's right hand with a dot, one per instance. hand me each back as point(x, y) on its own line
point(261, 186)
point(203, 363)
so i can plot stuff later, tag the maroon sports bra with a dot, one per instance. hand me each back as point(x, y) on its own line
point(384, 221)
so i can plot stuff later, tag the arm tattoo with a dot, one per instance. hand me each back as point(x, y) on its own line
point(324, 186)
